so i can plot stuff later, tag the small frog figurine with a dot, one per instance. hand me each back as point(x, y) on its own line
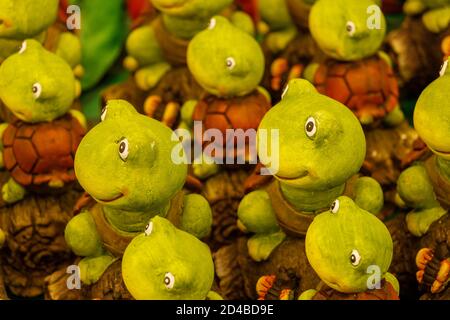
point(126, 164)
point(38, 147)
point(425, 186)
point(166, 263)
point(351, 251)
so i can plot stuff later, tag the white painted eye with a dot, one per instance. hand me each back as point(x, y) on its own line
point(351, 28)
point(443, 68)
point(169, 280)
point(335, 206)
point(149, 229)
point(285, 91)
point(23, 48)
point(231, 63)
point(123, 149)
point(310, 127)
point(104, 112)
point(212, 24)
point(355, 258)
point(37, 90)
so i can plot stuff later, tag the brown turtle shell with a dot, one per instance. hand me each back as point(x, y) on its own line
point(231, 113)
point(37, 154)
point(367, 87)
point(386, 292)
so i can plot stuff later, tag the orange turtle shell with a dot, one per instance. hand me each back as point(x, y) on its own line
point(367, 87)
point(223, 114)
point(38, 154)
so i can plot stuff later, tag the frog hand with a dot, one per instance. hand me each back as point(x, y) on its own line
point(427, 264)
point(269, 288)
point(260, 246)
point(281, 72)
point(171, 111)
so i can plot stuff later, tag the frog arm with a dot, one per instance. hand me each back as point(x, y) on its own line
point(308, 294)
point(368, 195)
point(148, 77)
point(414, 7)
point(277, 41)
point(437, 20)
point(212, 295)
point(82, 236)
point(142, 49)
point(80, 117)
point(266, 93)
point(415, 188)
point(256, 215)
point(3, 127)
point(389, 277)
point(197, 216)
point(395, 117)
point(310, 72)
point(384, 56)
point(187, 110)
point(69, 48)
point(244, 22)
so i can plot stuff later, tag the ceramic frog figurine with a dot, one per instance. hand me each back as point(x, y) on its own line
point(321, 150)
point(38, 87)
point(26, 19)
point(436, 13)
point(230, 75)
point(166, 263)
point(153, 49)
point(125, 164)
point(425, 186)
point(347, 246)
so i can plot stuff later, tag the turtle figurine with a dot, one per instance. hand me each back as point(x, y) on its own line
point(360, 76)
point(321, 150)
point(421, 44)
point(351, 251)
point(233, 102)
point(166, 263)
point(425, 186)
point(156, 55)
point(125, 164)
point(39, 146)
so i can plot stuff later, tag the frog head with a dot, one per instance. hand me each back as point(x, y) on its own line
point(35, 84)
point(431, 119)
point(23, 19)
point(275, 14)
point(321, 142)
point(346, 29)
point(191, 8)
point(125, 162)
point(346, 245)
point(166, 263)
point(225, 60)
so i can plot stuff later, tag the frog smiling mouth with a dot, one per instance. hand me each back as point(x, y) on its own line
point(440, 152)
point(298, 177)
point(119, 196)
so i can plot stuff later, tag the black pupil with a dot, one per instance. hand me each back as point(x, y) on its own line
point(229, 63)
point(349, 27)
point(122, 147)
point(310, 126)
point(333, 206)
point(35, 89)
point(353, 258)
point(103, 110)
point(166, 280)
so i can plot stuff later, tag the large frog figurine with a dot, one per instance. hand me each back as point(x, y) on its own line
point(230, 75)
point(166, 263)
point(360, 76)
point(351, 251)
point(125, 164)
point(425, 186)
point(38, 87)
point(421, 43)
point(321, 149)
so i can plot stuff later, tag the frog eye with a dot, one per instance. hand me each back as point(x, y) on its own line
point(443, 68)
point(23, 48)
point(123, 149)
point(335, 206)
point(212, 24)
point(148, 229)
point(231, 63)
point(37, 90)
point(103, 114)
point(169, 280)
point(355, 258)
point(286, 89)
point(310, 127)
point(351, 28)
